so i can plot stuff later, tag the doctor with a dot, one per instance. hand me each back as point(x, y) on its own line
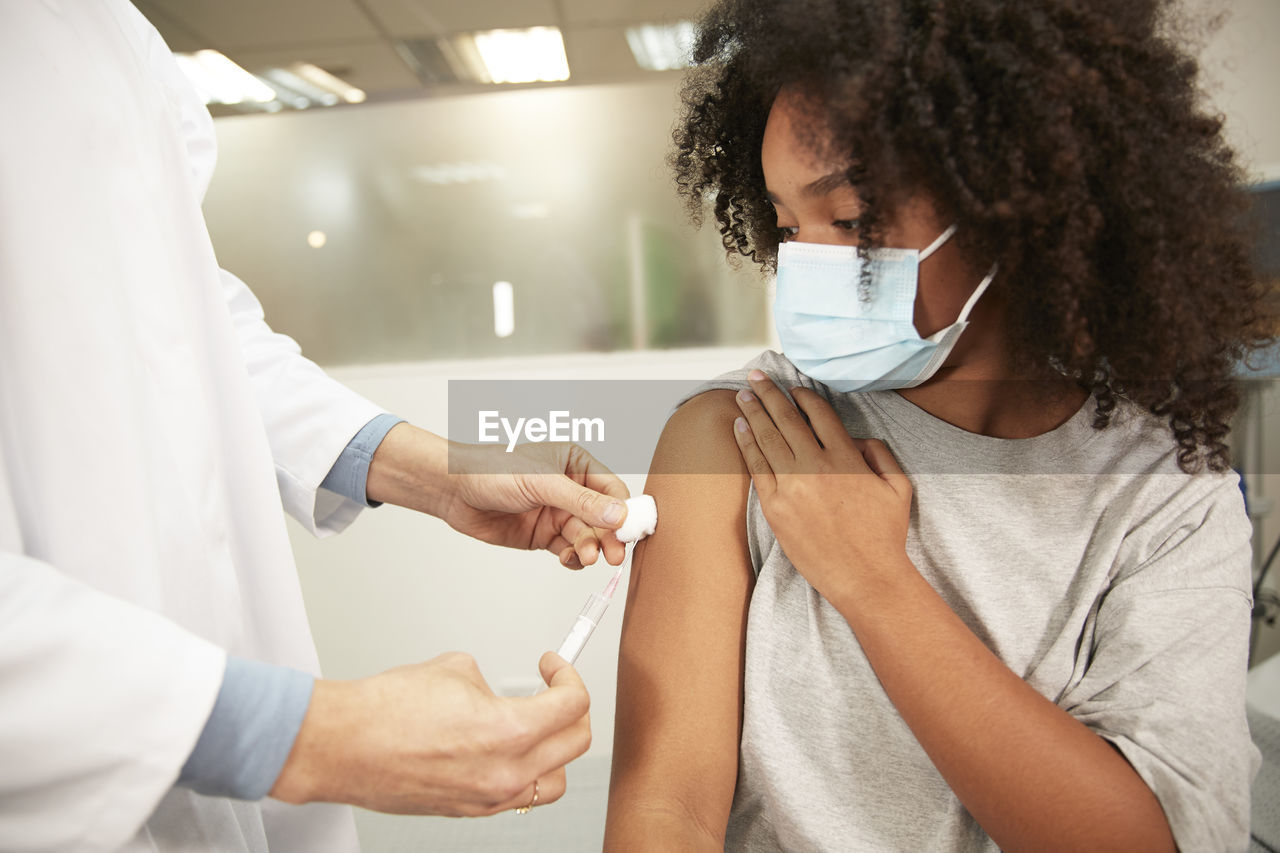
point(156, 667)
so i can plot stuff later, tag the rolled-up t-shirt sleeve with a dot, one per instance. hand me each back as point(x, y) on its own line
point(1165, 677)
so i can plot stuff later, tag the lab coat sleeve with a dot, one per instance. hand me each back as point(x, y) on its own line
point(250, 731)
point(349, 476)
point(309, 416)
point(101, 702)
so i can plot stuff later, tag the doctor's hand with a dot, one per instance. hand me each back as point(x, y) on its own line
point(432, 738)
point(549, 495)
point(552, 496)
point(839, 506)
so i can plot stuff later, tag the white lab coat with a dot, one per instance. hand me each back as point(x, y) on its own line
point(144, 406)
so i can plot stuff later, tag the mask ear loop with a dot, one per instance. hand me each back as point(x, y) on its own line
point(940, 353)
point(982, 286)
point(942, 238)
point(978, 291)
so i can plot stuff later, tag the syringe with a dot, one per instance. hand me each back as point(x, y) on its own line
point(642, 518)
point(588, 618)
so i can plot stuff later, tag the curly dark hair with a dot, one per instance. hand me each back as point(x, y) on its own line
point(1066, 136)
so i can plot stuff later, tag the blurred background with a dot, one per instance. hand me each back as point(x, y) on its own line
point(427, 190)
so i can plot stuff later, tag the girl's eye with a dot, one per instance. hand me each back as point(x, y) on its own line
point(846, 224)
point(787, 232)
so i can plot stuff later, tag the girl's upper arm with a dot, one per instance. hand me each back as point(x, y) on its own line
point(680, 668)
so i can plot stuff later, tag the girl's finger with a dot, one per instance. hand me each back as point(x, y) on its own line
point(793, 427)
point(826, 424)
point(766, 436)
point(880, 460)
point(761, 471)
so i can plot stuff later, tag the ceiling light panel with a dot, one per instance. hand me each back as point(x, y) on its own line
point(373, 67)
point(297, 92)
point(415, 19)
point(662, 47)
point(321, 79)
point(218, 80)
point(523, 56)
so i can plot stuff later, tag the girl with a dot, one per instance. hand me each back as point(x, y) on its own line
point(964, 567)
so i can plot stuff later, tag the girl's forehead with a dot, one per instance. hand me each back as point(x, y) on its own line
point(797, 134)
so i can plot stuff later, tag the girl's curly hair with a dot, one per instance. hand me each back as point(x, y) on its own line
point(1068, 139)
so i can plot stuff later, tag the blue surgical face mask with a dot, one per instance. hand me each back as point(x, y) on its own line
point(855, 341)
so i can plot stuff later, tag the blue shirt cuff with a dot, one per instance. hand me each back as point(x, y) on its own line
point(250, 731)
point(349, 476)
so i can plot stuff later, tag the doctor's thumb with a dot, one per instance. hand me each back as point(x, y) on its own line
point(596, 509)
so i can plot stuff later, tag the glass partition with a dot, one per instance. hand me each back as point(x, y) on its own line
point(526, 222)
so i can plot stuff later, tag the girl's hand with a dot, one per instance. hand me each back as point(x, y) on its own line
point(839, 506)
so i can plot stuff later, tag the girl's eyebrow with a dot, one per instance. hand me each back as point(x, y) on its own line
point(827, 183)
point(820, 187)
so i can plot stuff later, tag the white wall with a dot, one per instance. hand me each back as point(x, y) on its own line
point(1241, 64)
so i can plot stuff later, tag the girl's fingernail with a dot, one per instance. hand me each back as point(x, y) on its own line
point(746, 396)
point(740, 424)
point(756, 375)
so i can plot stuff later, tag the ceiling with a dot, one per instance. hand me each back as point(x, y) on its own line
point(357, 39)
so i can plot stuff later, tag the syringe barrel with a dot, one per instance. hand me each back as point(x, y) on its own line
point(594, 608)
point(588, 618)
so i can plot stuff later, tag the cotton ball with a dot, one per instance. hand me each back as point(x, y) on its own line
point(642, 518)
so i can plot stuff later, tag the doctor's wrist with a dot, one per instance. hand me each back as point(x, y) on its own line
point(313, 771)
point(410, 468)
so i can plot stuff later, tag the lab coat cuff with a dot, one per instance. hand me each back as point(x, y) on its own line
point(250, 732)
point(321, 511)
point(349, 476)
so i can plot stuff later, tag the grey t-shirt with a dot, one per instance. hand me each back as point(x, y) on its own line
point(1113, 583)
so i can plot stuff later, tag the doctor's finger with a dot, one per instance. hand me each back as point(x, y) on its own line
point(584, 540)
point(599, 503)
point(614, 550)
point(465, 665)
point(551, 787)
point(595, 475)
point(552, 753)
point(563, 703)
point(564, 552)
point(562, 492)
point(565, 732)
point(587, 544)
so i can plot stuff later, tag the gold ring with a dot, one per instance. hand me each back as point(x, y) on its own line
point(532, 803)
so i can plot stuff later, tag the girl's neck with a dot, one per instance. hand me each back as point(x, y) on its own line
point(978, 390)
